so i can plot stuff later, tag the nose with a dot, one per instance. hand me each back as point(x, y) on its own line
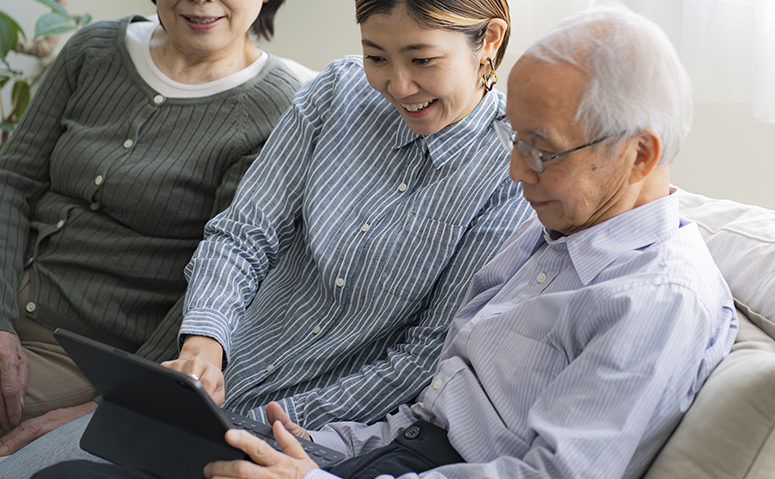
point(519, 169)
point(402, 83)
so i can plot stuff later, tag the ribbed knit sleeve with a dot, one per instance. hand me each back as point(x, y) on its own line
point(113, 187)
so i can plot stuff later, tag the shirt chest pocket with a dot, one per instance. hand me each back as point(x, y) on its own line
point(416, 255)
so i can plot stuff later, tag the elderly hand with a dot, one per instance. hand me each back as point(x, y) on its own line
point(201, 358)
point(274, 413)
point(293, 462)
point(34, 428)
point(14, 366)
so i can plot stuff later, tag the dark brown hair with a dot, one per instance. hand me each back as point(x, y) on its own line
point(471, 17)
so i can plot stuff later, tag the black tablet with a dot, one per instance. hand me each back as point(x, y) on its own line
point(156, 419)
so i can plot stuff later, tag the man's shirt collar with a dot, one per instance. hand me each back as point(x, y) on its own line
point(593, 249)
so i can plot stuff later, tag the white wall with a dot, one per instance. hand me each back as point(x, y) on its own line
point(727, 154)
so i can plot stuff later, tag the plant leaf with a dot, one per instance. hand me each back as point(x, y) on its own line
point(9, 34)
point(53, 24)
point(7, 127)
point(54, 6)
point(85, 19)
point(20, 98)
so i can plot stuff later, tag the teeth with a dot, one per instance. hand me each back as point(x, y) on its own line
point(202, 20)
point(417, 106)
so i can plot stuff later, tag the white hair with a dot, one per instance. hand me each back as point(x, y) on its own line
point(635, 80)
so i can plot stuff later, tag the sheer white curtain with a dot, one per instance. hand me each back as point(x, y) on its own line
point(727, 46)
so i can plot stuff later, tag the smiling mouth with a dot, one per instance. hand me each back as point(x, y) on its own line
point(202, 21)
point(414, 108)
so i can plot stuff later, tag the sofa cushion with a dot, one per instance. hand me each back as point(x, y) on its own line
point(741, 239)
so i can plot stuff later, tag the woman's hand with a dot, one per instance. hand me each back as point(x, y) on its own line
point(34, 428)
point(201, 358)
point(14, 366)
point(294, 463)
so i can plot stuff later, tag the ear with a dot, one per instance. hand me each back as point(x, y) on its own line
point(648, 152)
point(493, 38)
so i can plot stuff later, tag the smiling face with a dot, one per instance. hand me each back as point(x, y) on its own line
point(208, 27)
point(578, 190)
point(431, 76)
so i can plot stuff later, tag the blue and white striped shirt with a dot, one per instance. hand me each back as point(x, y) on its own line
point(575, 357)
point(363, 236)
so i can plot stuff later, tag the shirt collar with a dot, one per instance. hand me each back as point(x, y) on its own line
point(593, 249)
point(457, 136)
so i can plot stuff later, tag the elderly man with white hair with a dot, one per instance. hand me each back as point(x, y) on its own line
point(581, 345)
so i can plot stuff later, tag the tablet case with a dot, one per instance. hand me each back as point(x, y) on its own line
point(156, 419)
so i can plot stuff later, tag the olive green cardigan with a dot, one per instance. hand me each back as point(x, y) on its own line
point(105, 188)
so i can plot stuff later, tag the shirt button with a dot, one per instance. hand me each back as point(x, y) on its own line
point(476, 320)
point(60, 224)
point(94, 206)
point(365, 228)
point(158, 99)
point(541, 278)
point(31, 307)
point(438, 384)
point(402, 187)
point(98, 180)
point(269, 368)
point(340, 282)
point(128, 143)
point(316, 330)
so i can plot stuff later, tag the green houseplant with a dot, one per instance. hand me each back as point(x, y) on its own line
point(14, 39)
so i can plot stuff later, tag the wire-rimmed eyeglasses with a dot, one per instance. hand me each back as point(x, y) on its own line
point(535, 159)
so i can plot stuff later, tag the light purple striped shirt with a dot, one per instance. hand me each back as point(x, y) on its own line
point(575, 357)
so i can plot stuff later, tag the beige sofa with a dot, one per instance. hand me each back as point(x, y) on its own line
point(729, 432)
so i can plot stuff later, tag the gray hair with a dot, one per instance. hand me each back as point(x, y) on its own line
point(635, 80)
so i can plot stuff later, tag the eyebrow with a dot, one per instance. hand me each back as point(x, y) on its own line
point(408, 48)
point(539, 133)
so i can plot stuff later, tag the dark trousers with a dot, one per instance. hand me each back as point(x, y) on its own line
point(421, 447)
point(91, 470)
